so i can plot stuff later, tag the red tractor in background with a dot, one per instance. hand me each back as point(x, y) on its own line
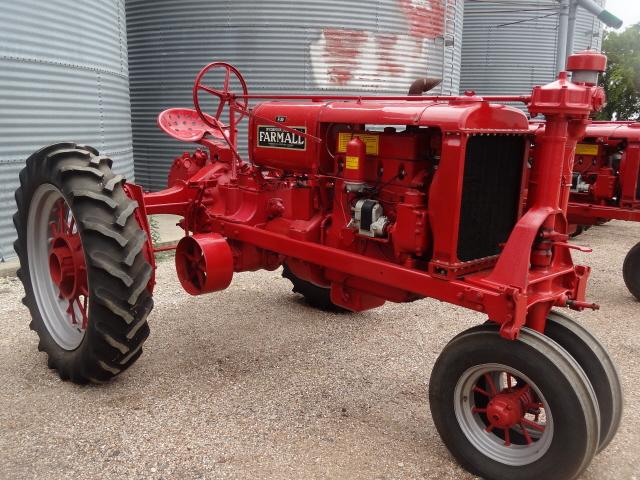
point(363, 200)
point(605, 184)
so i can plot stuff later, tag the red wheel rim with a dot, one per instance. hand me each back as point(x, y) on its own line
point(66, 263)
point(509, 407)
point(57, 268)
point(503, 414)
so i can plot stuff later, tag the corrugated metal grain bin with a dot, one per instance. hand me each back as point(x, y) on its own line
point(510, 46)
point(280, 46)
point(589, 30)
point(63, 77)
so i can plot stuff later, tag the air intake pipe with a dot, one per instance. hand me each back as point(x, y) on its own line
point(422, 85)
point(605, 16)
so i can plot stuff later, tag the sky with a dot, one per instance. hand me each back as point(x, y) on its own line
point(627, 10)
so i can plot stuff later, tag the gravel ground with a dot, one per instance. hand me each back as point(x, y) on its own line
point(251, 383)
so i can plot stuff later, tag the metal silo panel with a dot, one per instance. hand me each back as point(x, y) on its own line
point(289, 46)
point(589, 30)
point(510, 46)
point(68, 81)
point(507, 47)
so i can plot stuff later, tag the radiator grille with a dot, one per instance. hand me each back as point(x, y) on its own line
point(490, 194)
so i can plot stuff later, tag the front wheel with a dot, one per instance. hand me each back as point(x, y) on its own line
point(83, 262)
point(514, 409)
point(597, 365)
point(631, 270)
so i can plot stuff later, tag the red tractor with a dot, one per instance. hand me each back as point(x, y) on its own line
point(606, 184)
point(363, 200)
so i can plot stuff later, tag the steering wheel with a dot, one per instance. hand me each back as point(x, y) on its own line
point(224, 96)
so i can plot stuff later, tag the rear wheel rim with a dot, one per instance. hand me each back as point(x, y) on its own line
point(57, 267)
point(506, 430)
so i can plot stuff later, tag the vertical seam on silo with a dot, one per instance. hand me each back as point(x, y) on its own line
point(117, 5)
point(444, 45)
point(307, 58)
point(486, 47)
point(555, 46)
point(101, 111)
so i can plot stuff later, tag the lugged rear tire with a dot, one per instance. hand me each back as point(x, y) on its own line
point(113, 245)
point(631, 270)
point(579, 230)
point(314, 296)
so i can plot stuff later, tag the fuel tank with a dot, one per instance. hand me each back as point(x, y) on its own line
point(272, 146)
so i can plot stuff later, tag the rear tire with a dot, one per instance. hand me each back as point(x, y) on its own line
point(568, 427)
point(597, 365)
point(72, 188)
point(579, 230)
point(314, 296)
point(631, 271)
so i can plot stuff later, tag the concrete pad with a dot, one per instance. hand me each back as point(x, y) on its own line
point(9, 268)
point(164, 229)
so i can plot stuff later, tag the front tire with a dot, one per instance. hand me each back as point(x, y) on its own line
point(83, 263)
point(597, 365)
point(514, 409)
point(631, 271)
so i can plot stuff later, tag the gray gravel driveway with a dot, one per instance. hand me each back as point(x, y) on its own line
point(251, 383)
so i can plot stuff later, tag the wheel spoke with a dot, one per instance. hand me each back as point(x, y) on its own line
point(192, 257)
point(509, 378)
point(507, 437)
point(227, 75)
point(59, 212)
point(481, 391)
point(212, 91)
point(201, 277)
point(82, 308)
point(491, 384)
point(532, 424)
point(220, 109)
point(62, 211)
point(526, 435)
point(71, 311)
point(65, 222)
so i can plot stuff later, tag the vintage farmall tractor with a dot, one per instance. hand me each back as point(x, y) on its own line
point(363, 200)
point(606, 184)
